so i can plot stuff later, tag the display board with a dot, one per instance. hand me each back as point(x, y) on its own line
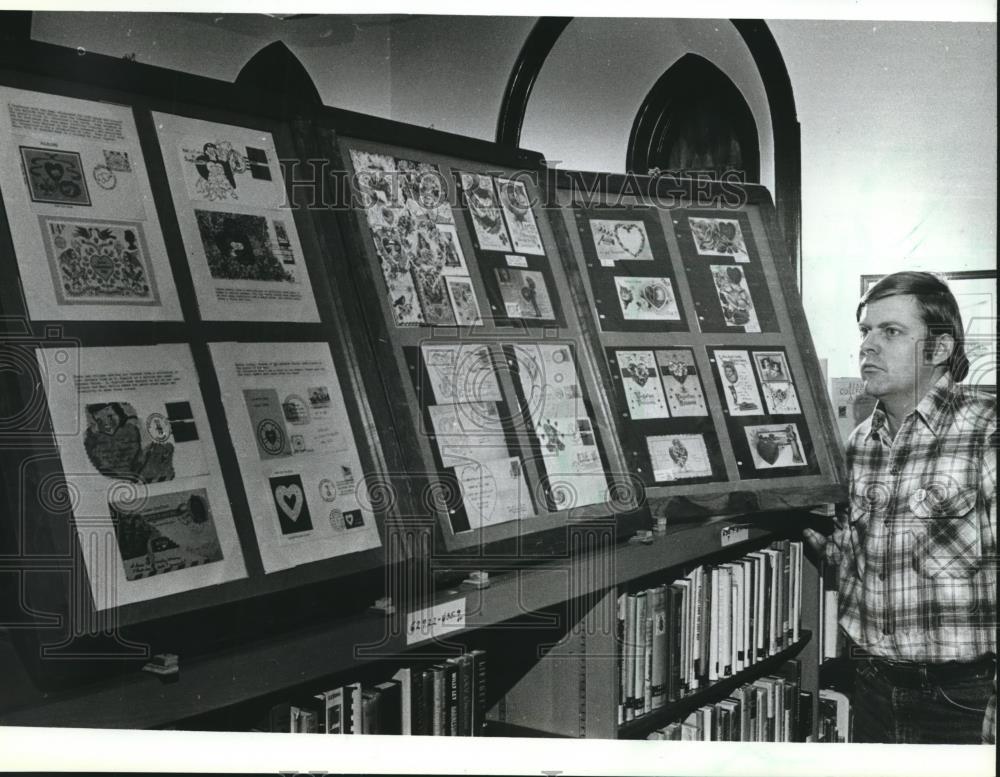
point(204, 433)
point(718, 398)
point(505, 426)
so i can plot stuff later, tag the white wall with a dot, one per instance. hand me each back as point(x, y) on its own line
point(899, 161)
point(592, 84)
point(450, 72)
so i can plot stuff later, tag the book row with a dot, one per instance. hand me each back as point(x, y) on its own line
point(715, 621)
point(445, 699)
point(770, 709)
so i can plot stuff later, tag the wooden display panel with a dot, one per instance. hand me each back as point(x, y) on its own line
point(689, 296)
point(501, 419)
point(45, 565)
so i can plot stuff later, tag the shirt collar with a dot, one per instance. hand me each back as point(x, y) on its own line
point(937, 404)
point(933, 409)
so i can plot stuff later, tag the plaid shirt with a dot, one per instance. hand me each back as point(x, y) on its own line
point(916, 554)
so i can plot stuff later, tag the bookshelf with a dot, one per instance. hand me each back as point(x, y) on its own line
point(640, 727)
point(547, 617)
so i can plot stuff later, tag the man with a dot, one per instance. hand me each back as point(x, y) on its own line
point(916, 555)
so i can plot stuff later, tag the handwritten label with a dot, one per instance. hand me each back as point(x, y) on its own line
point(435, 621)
point(733, 534)
point(513, 260)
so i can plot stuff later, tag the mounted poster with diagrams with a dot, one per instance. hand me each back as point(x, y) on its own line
point(240, 239)
point(84, 226)
point(454, 258)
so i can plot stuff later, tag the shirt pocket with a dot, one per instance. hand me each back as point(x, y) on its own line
point(946, 533)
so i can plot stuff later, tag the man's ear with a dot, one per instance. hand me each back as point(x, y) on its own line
point(944, 346)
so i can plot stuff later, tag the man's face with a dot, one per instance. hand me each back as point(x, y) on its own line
point(891, 352)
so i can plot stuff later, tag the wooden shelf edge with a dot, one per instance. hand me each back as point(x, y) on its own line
point(641, 727)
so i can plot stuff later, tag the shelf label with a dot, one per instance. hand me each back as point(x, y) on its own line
point(435, 621)
point(733, 534)
point(516, 261)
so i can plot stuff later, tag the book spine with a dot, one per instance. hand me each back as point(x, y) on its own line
point(684, 672)
point(629, 649)
point(390, 707)
point(620, 657)
point(466, 694)
point(805, 717)
point(662, 626)
point(797, 610)
point(725, 621)
point(647, 663)
point(641, 646)
point(737, 617)
point(713, 625)
point(452, 698)
point(786, 591)
point(370, 703)
point(698, 603)
point(352, 699)
point(335, 711)
point(479, 691)
point(676, 688)
point(425, 709)
point(279, 718)
point(438, 701)
point(406, 687)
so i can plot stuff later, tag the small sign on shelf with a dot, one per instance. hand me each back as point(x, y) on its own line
point(731, 535)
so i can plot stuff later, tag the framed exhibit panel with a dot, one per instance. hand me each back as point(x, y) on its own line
point(706, 355)
point(976, 294)
point(503, 424)
point(187, 419)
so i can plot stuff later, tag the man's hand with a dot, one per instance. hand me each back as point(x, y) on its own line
point(816, 540)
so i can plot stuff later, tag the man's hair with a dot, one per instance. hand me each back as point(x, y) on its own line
point(938, 309)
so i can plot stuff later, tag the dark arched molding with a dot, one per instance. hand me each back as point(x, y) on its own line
point(785, 128)
point(536, 48)
point(15, 25)
point(277, 70)
point(695, 119)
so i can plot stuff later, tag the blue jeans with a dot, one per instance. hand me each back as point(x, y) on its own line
point(919, 710)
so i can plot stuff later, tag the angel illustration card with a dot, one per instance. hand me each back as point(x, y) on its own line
point(516, 205)
point(463, 301)
point(738, 385)
point(734, 297)
point(484, 210)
